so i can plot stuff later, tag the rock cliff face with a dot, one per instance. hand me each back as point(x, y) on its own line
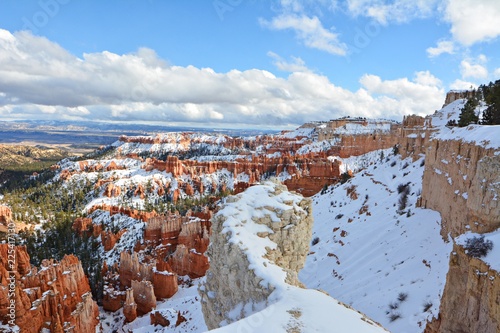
point(452, 96)
point(470, 301)
point(57, 297)
point(259, 243)
point(5, 215)
point(460, 181)
point(230, 281)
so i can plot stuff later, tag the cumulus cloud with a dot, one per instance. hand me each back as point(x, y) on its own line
point(473, 21)
point(473, 70)
point(444, 46)
point(462, 85)
point(38, 76)
point(295, 65)
point(308, 30)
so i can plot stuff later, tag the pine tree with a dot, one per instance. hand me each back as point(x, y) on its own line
point(491, 116)
point(468, 113)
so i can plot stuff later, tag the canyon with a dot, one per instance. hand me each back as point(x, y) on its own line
point(162, 210)
point(55, 297)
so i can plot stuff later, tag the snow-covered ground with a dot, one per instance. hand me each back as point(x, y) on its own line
point(384, 260)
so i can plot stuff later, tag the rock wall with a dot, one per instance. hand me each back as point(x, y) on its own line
point(471, 298)
point(230, 283)
point(5, 215)
point(57, 297)
point(460, 181)
point(453, 95)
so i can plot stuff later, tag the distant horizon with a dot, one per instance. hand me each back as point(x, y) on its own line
point(250, 64)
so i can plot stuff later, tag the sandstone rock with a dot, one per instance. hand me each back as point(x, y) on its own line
point(144, 296)
point(470, 301)
point(48, 298)
point(186, 262)
point(229, 276)
point(158, 319)
point(130, 307)
point(5, 215)
point(164, 281)
point(453, 185)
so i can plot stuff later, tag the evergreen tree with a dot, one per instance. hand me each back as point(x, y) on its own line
point(468, 113)
point(491, 116)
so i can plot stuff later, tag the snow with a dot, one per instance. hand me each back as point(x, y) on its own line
point(367, 260)
point(486, 136)
point(289, 308)
point(493, 256)
point(354, 128)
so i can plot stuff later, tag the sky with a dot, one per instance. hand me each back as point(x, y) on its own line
point(241, 63)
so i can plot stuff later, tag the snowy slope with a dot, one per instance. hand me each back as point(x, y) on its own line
point(369, 252)
point(289, 308)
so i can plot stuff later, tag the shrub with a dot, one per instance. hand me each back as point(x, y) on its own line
point(395, 149)
point(478, 247)
point(422, 163)
point(394, 316)
point(427, 306)
point(339, 216)
point(402, 297)
point(345, 177)
point(393, 163)
point(393, 306)
point(405, 165)
point(315, 241)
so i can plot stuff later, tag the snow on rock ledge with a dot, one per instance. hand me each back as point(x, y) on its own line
point(259, 242)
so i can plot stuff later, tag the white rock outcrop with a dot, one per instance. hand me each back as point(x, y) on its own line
point(260, 239)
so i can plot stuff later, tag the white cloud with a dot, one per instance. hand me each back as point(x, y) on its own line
point(462, 85)
point(309, 30)
point(296, 65)
point(38, 76)
point(473, 21)
point(391, 11)
point(475, 71)
point(496, 73)
point(444, 46)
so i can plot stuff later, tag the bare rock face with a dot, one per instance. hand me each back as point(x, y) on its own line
point(452, 96)
point(470, 302)
point(5, 215)
point(55, 297)
point(460, 181)
point(230, 283)
point(130, 307)
point(144, 296)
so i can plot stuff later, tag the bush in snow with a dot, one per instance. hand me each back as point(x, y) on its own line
point(477, 247)
point(315, 241)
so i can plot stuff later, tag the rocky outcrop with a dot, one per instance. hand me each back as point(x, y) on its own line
point(133, 213)
point(129, 307)
point(470, 302)
point(454, 95)
point(460, 181)
point(5, 215)
point(287, 231)
point(56, 297)
point(144, 296)
point(259, 242)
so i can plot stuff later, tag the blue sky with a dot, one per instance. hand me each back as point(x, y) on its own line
point(241, 63)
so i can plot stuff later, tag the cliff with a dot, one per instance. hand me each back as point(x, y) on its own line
point(461, 181)
point(470, 301)
point(259, 243)
point(56, 297)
